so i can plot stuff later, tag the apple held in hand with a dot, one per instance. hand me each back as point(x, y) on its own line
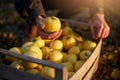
point(52, 24)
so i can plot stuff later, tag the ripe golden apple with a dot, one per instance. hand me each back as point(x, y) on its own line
point(74, 50)
point(89, 45)
point(68, 42)
point(52, 24)
point(72, 58)
point(25, 45)
point(39, 68)
point(56, 56)
point(35, 38)
point(45, 51)
point(33, 54)
point(48, 72)
point(16, 50)
point(85, 54)
point(66, 31)
point(17, 64)
point(64, 56)
point(56, 44)
point(70, 74)
point(34, 49)
point(33, 71)
point(78, 64)
point(47, 41)
point(38, 42)
point(80, 44)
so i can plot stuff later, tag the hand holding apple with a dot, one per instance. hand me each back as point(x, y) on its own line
point(49, 27)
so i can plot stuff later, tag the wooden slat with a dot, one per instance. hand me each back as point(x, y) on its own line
point(92, 70)
point(86, 66)
point(60, 73)
point(31, 59)
point(59, 69)
point(9, 73)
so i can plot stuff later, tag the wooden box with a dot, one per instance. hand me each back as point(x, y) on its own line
point(84, 73)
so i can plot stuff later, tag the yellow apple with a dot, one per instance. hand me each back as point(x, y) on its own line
point(85, 54)
point(47, 41)
point(48, 72)
point(77, 37)
point(52, 24)
point(69, 66)
point(34, 49)
point(72, 58)
point(78, 64)
point(80, 44)
point(45, 51)
point(56, 56)
point(70, 74)
point(17, 64)
point(64, 56)
point(38, 42)
point(25, 45)
point(33, 71)
point(66, 31)
point(56, 44)
point(68, 42)
point(16, 50)
point(74, 50)
point(89, 45)
point(39, 67)
point(35, 38)
point(33, 54)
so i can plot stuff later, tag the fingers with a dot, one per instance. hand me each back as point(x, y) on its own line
point(94, 30)
point(50, 36)
point(41, 25)
point(100, 31)
point(55, 35)
point(58, 35)
point(106, 31)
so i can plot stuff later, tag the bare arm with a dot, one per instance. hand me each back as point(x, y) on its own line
point(99, 27)
point(96, 6)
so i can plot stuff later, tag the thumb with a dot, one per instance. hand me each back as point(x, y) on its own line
point(41, 25)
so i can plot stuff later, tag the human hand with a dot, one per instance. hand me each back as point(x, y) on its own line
point(99, 27)
point(40, 24)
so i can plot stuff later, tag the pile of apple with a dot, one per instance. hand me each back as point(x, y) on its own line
point(68, 50)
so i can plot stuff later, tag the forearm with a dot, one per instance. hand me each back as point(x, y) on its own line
point(96, 7)
point(30, 9)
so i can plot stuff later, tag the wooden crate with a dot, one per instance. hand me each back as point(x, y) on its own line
point(84, 73)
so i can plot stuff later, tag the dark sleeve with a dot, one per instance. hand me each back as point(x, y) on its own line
point(29, 9)
point(96, 6)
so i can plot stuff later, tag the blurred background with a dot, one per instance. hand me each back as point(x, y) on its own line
point(12, 26)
